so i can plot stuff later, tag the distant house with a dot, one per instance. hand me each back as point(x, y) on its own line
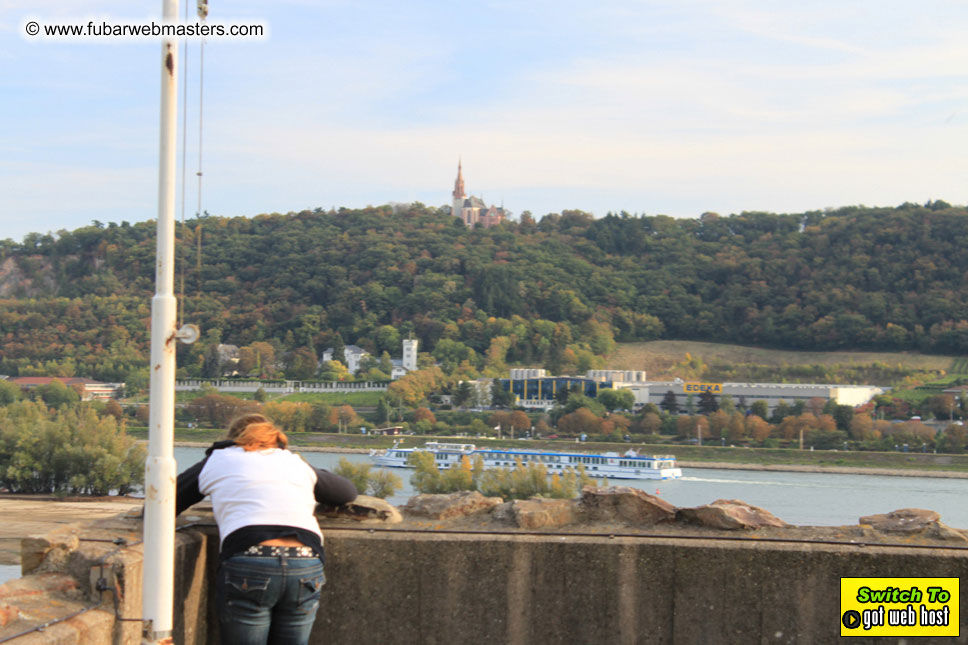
point(92, 390)
point(353, 355)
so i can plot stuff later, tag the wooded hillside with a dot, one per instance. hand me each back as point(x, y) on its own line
point(556, 292)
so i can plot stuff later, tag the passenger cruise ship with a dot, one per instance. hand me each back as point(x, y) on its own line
point(613, 465)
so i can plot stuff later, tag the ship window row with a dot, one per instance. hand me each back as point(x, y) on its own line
point(543, 458)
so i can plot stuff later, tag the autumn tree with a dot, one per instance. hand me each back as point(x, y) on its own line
point(581, 421)
point(257, 359)
point(952, 439)
point(650, 423)
point(718, 421)
point(346, 417)
point(614, 426)
point(861, 428)
point(500, 420)
point(424, 414)
point(292, 416)
point(735, 428)
point(757, 428)
point(113, 408)
point(520, 422)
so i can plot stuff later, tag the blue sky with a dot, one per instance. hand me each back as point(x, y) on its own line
point(675, 107)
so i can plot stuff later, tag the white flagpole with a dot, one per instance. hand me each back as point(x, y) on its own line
point(159, 521)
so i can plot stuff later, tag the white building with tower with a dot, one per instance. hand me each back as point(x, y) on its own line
point(472, 210)
point(409, 361)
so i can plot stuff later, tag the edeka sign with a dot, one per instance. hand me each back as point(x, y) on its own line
point(899, 606)
point(699, 388)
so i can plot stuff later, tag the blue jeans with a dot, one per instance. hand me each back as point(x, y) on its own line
point(268, 599)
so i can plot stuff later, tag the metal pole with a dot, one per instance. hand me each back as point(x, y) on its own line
point(159, 524)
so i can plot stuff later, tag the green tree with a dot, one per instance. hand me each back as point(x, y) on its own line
point(577, 401)
point(500, 398)
point(463, 394)
point(669, 403)
point(426, 476)
point(384, 484)
point(707, 402)
point(760, 408)
point(319, 417)
point(843, 415)
point(614, 399)
point(782, 410)
point(69, 450)
point(9, 392)
point(358, 473)
point(55, 394)
point(383, 410)
point(301, 364)
point(339, 349)
point(386, 363)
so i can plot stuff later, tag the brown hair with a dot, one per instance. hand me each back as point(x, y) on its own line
point(240, 423)
point(259, 436)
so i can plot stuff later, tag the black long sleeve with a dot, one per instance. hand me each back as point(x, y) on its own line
point(186, 487)
point(333, 489)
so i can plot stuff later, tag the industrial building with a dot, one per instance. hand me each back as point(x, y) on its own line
point(533, 388)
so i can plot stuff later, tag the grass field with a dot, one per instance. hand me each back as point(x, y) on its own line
point(361, 399)
point(658, 358)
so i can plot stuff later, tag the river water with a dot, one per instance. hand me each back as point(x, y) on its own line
point(805, 499)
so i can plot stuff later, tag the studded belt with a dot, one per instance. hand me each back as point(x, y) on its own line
point(266, 550)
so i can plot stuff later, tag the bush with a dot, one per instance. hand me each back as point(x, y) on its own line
point(383, 483)
point(359, 474)
point(519, 482)
point(70, 450)
point(380, 484)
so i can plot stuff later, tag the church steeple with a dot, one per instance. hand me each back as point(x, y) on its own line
point(459, 183)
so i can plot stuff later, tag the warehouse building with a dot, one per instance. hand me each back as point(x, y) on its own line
point(533, 388)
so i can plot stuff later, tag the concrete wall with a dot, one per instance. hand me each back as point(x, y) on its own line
point(396, 586)
point(444, 588)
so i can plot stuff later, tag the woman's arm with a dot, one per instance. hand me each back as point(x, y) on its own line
point(186, 487)
point(333, 489)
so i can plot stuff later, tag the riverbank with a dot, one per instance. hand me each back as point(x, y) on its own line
point(722, 465)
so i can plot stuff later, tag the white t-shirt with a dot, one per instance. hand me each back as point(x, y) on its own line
point(272, 486)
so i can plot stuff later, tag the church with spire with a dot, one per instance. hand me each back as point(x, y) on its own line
point(472, 210)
